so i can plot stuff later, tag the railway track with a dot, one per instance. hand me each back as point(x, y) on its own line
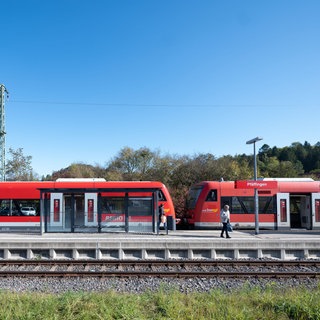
point(161, 269)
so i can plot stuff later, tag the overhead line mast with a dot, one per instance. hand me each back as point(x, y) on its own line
point(3, 94)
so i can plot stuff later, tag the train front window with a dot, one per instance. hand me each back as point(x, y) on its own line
point(193, 197)
point(212, 195)
point(161, 196)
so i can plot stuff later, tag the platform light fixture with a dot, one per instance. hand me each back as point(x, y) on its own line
point(256, 200)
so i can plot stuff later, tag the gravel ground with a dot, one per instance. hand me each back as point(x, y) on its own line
point(139, 285)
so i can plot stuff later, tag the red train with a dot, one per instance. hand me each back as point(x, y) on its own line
point(283, 204)
point(80, 205)
point(77, 205)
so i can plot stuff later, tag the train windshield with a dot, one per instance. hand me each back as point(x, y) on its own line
point(193, 196)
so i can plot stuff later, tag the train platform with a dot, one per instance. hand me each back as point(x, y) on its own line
point(179, 244)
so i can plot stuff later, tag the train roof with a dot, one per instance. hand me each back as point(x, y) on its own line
point(285, 185)
point(31, 189)
point(289, 179)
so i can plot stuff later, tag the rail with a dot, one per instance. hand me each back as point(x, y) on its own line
point(176, 269)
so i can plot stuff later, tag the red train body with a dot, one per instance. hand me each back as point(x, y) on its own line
point(72, 204)
point(287, 204)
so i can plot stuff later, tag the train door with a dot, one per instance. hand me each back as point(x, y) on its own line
point(283, 211)
point(140, 214)
point(57, 212)
point(66, 212)
point(77, 212)
point(315, 206)
point(305, 212)
point(90, 209)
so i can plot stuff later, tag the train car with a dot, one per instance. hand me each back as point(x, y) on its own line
point(17, 195)
point(286, 204)
point(77, 205)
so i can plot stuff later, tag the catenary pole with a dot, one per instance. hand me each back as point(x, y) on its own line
point(256, 197)
point(3, 94)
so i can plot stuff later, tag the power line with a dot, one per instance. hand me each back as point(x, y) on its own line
point(162, 105)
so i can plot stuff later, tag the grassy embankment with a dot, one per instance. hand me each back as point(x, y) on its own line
point(246, 304)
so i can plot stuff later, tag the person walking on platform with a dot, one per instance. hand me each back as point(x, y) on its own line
point(225, 219)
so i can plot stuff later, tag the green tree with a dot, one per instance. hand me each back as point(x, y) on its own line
point(132, 164)
point(233, 168)
point(18, 167)
point(78, 170)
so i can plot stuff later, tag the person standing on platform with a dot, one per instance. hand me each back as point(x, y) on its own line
point(162, 217)
point(225, 219)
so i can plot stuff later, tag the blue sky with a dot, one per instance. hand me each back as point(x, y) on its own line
point(87, 78)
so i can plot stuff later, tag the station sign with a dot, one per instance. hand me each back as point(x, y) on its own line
point(255, 184)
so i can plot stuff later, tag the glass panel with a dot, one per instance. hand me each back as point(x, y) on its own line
point(237, 204)
point(212, 195)
point(112, 214)
point(283, 210)
point(79, 215)
point(59, 219)
point(245, 205)
point(140, 215)
point(317, 210)
point(161, 196)
point(266, 205)
point(13, 207)
point(79, 211)
point(67, 213)
point(193, 197)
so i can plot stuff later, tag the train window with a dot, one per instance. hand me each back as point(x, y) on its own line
point(112, 205)
point(136, 206)
point(13, 207)
point(266, 205)
point(161, 196)
point(193, 197)
point(212, 195)
point(229, 202)
point(317, 210)
point(245, 205)
point(140, 207)
point(237, 204)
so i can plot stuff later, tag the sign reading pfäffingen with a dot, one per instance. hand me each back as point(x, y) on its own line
point(255, 184)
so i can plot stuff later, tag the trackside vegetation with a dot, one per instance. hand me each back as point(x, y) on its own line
point(246, 304)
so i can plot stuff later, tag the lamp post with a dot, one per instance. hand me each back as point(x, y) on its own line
point(256, 200)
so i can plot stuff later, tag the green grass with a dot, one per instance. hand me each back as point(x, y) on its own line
point(246, 304)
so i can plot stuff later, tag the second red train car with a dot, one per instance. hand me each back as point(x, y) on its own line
point(288, 204)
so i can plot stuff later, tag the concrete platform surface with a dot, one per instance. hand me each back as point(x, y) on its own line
point(191, 235)
point(285, 245)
